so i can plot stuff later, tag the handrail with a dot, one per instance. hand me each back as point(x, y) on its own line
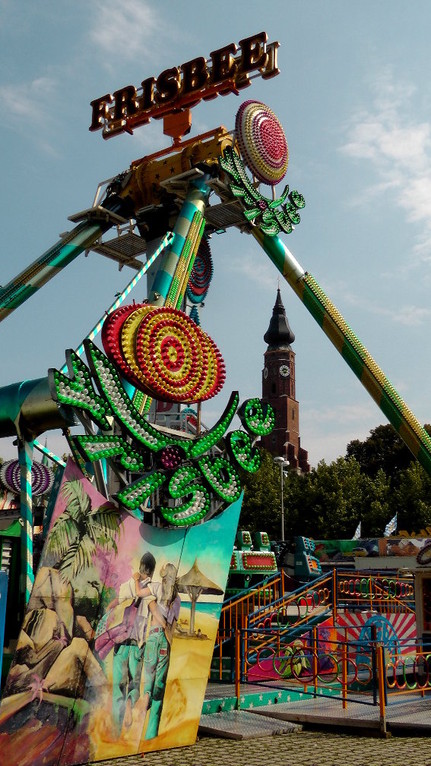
point(235, 609)
point(271, 615)
point(270, 580)
point(383, 592)
point(369, 672)
point(291, 597)
point(306, 604)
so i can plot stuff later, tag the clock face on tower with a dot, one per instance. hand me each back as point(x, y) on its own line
point(284, 370)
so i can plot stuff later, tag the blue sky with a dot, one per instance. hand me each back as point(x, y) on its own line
point(354, 98)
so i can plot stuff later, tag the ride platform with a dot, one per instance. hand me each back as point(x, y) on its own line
point(405, 715)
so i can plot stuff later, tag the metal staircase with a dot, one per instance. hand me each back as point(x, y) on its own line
point(272, 614)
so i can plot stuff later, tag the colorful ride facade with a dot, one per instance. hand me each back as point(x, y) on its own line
point(121, 618)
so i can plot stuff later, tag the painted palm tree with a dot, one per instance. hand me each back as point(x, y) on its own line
point(79, 531)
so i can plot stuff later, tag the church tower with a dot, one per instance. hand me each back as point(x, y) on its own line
point(278, 389)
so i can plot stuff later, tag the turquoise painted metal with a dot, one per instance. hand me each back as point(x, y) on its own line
point(27, 409)
point(54, 260)
point(170, 282)
point(25, 456)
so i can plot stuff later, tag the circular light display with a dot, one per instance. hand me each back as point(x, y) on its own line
point(201, 275)
point(162, 352)
point(111, 330)
point(262, 142)
point(42, 478)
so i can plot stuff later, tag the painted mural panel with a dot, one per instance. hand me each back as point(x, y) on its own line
point(397, 632)
point(114, 653)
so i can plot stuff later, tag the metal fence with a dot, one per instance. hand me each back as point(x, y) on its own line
point(269, 614)
point(366, 672)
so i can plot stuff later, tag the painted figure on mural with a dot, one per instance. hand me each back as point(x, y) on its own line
point(124, 631)
point(165, 608)
point(53, 649)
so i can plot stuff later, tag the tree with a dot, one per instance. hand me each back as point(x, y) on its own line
point(412, 499)
point(261, 508)
point(378, 478)
point(377, 505)
point(382, 450)
point(79, 530)
point(329, 503)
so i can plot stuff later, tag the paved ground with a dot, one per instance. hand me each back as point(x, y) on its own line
point(306, 748)
point(268, 739)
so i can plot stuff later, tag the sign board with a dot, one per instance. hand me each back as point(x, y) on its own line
point(228, 70)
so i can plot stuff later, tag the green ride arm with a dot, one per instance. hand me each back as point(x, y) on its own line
point(22, 287)
point(350, 347)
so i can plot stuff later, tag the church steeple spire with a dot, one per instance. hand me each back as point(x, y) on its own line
point(279, 334)
point(278, 389)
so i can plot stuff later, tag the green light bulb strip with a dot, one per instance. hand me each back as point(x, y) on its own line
point(134, 495)
point(240, 447)
point(110, 383)
point(367, 370)
point(257, 416)
point(271, 215)
point(78, 390)
point(199, 485)
point(222, 477)
point(108, 447)
point(194, 509)
point(350, 347)
point(216, 433)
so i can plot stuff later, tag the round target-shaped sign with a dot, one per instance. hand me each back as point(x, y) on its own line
point(42, 478)
point(164, 353)
point(262, 142)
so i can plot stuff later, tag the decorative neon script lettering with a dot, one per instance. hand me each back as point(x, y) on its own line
point(183, 480)
point(185, 85)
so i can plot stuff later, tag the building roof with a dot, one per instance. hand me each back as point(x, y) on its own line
point(279, 334)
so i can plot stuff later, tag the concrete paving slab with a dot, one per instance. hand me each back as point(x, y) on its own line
point(324, 712)
point(406, 715)
point(242, 724)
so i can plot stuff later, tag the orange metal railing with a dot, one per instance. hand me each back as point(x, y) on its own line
point(235, 612)
point(268, 613)
point(365, 672)
point(379, 592)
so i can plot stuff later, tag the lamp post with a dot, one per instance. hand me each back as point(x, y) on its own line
point(283, 463)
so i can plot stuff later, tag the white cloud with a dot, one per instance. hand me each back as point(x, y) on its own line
point(407, 315)
point(127, 30)
point(342, 414)
point(258, 270)
point(399, 148)
point(328, 430)
point(28, 102)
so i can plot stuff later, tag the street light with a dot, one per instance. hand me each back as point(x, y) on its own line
point(283, 463)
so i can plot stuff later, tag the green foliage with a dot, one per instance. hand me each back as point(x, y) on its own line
point(412, 499)
point(382, 450)
point(328, 502)
point(261, 508)
point(376, 479)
